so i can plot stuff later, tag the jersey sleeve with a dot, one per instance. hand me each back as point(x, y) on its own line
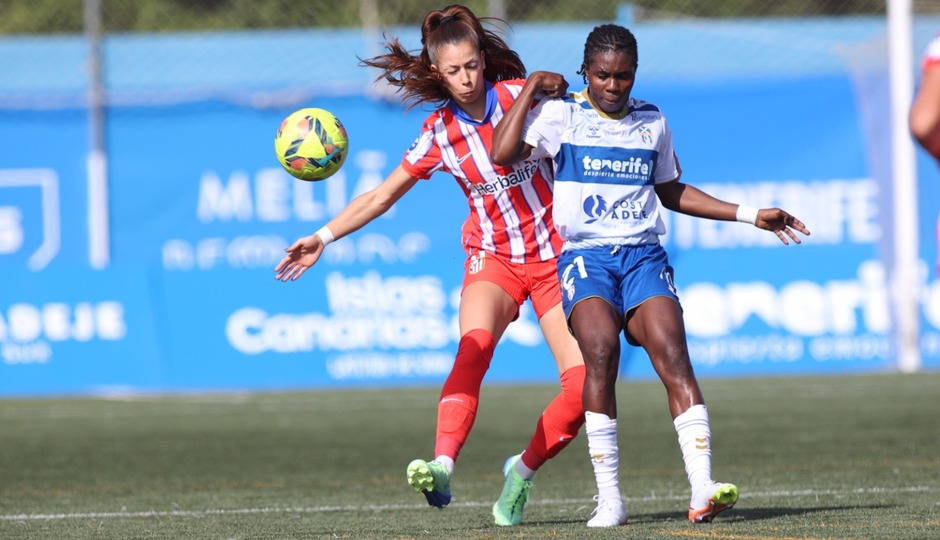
point(423, 158)
point(544, 126)
point(667, 168)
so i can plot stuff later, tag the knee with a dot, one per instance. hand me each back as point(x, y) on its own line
point(599, 353)
point(601, 358)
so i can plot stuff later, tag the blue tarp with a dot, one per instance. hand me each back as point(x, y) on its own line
point(200, 212)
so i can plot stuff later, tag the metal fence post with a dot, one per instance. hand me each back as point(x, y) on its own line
point(99, 244)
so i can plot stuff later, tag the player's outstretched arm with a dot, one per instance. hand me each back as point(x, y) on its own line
point(780, 223)
point(690, 200)
point(301, 255)
point(306, 251)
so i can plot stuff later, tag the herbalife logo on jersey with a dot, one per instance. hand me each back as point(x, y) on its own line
point(521, 173)
point(634, 170)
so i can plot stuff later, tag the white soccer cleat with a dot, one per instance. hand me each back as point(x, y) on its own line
point(708, 501)
point(609, 513)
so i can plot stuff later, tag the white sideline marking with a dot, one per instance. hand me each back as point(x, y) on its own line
point(382, 507)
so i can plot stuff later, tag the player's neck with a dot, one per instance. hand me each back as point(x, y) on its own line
point(477, 109)
point(617, 115)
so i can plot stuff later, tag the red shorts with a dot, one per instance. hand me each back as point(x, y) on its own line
point(537, 281)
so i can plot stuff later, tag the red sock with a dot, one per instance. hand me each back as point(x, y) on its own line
point(457, 409)
point(559, 423)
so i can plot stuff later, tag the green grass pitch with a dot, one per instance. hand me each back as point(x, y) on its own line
point(839, 457)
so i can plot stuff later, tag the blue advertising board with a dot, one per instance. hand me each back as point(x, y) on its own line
point(200, 214)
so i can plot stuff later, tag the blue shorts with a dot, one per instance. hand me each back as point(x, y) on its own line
point(624, 276)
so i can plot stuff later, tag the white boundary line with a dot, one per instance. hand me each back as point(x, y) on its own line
point(386, 507)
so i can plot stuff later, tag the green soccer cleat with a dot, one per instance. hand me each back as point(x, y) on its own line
point(508, 509)
point(431, 479)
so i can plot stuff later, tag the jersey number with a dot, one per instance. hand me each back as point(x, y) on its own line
point(567, 282)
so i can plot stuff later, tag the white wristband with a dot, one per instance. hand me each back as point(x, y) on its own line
point(325, 234)
point(747, 214)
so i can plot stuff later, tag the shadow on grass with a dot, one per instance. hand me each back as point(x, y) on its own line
point(756, 514)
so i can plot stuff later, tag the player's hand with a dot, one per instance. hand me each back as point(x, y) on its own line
point(550, 84)
point(301, 255)
point(780, 223)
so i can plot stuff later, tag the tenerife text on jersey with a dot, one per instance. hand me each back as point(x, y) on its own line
point(628, 169)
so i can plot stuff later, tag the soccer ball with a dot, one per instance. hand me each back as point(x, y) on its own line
point(311, 144)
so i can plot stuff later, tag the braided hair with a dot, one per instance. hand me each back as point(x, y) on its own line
point(608, 37)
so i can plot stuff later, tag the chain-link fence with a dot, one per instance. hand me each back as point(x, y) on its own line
point(277, 51)
point(52, 17)
point(136, 171)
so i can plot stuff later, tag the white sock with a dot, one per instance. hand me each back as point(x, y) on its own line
point(601, 433)
point(447, 462)
point(524, 471)
point(695, 442)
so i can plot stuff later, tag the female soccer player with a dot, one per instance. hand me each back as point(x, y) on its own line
point(509, 237)
point(924, 117)
point(614, 166)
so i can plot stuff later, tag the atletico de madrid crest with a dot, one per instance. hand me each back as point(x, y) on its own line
point(477, 262)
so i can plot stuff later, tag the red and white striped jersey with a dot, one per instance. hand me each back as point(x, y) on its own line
point(510, 207)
